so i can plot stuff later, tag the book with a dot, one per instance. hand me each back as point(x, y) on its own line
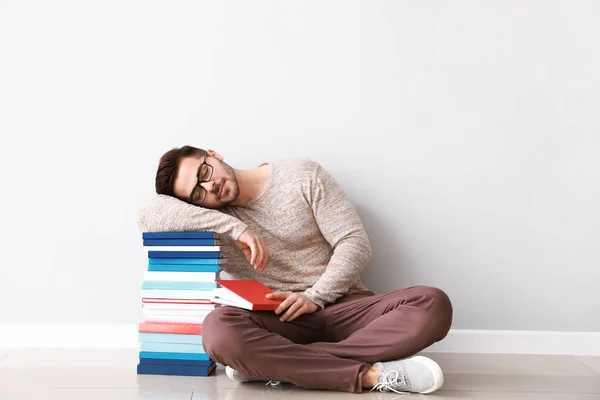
point(186, 261)
point(169, 338)
point(181, 242)
point(172, 348)
point(184, 248)
point(183, 370)
point(184, 267)
point(174, 285)
point(174, 356)
point(177, 306)
point(153, 312)
point(184, 254)
point(177, 294)
point(174, 318)
point(180, 235)
point(181, 276)
point(164, 361)
point(249, 294)
point(175, 302)
point(170, 327)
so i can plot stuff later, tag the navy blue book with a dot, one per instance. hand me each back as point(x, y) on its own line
point(180, 235)
point(181, 242)
point(184, 254)
point(183, 268)
point(188, 363)
point(149, 369)
point(186, 261)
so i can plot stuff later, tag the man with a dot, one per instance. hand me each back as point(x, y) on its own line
point(299, 235)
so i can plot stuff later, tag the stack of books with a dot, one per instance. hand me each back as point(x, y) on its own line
point(183, 268)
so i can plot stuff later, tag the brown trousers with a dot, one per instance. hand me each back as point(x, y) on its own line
point(333, 347)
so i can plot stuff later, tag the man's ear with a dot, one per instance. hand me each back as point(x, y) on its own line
point(214, 154)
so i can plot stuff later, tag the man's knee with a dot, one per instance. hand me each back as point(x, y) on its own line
point(220, 338)
point(441, 309)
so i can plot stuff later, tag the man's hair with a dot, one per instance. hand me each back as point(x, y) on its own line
point(168, 167)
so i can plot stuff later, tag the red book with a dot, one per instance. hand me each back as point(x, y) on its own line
point(248, 294)
point(171, 327)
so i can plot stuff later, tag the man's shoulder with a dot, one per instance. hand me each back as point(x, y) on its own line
point(300, 166)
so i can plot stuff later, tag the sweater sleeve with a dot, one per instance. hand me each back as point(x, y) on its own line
point(169, 214)
point(340, 225)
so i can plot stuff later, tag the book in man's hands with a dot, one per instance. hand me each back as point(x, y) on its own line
point(247, 293)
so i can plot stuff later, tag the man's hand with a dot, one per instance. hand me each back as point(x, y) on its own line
point(254, 249)
point(295, 303)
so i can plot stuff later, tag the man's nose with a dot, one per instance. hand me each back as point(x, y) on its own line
point(209, 186)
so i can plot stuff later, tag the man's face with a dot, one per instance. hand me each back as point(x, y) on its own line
point(221, 190)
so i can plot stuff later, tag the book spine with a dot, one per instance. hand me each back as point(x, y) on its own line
point(184, 254)
point(169, 338)
point(177, 294)
point(181, 276)
point(180, 235)
point(186, 261)
point(181, 242)
point(174, 285)
point(184, 268)
point(174, 356)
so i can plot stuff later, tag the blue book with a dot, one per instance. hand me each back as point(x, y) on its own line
point(182, 242)
point(169, 338)
point(184, 268)
point(174, 356)
point(191, 363)
point(174, 285)
point(183, 370)
point(180, 235)
point(201, 261)
point(184, 254)
point(171, 348)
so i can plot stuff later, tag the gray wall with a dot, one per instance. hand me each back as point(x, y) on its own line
point(466, 132)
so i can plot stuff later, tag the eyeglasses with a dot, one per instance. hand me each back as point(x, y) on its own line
point(204, 174)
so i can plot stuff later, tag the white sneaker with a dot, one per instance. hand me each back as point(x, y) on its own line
point(243, 378)
point(411, 375)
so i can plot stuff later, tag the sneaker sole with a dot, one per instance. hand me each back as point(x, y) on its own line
point(231, 374)
point(438, 375)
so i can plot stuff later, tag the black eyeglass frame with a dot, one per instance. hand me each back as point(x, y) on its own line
point(200, 181)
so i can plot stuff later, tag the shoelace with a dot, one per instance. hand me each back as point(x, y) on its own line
point(390, 379)
point(272, 383)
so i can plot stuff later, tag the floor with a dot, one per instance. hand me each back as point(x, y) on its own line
point(100, 374)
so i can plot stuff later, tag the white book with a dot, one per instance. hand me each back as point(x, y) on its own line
point(176, 294)
point(175, 313)
point(182, 248)
point(163, 318)
point(168, 306)
point(181, 276)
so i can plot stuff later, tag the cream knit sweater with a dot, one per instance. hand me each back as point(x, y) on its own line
point(316, 242)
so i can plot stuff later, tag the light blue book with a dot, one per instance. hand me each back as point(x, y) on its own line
point(171, 347)
point(174, 285)
point(169, 338)
point(175, 356)
point(202, 261)
point(184, 268)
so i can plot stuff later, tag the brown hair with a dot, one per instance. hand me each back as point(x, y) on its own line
point(169, 166)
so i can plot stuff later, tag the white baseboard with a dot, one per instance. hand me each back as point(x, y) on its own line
point(457, 341)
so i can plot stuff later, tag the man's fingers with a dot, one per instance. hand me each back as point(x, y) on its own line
point(261, 253)
point(254, 249)
point(291, 311)
point(265, 255)
point(299, 312)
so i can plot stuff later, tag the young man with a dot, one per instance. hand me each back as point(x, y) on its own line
point(297, 233)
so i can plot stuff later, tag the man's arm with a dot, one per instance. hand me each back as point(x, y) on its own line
point(169, 214)
point(341, 227)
